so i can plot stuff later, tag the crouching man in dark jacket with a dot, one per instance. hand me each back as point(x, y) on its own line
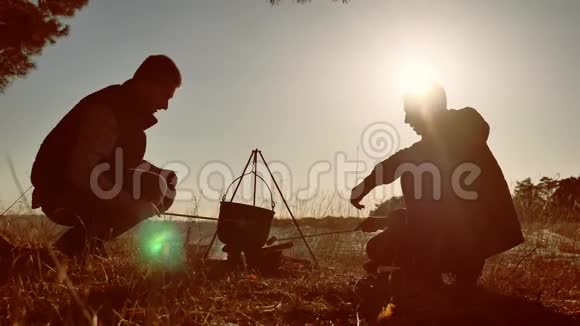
point(89, 173)
point(459, 210)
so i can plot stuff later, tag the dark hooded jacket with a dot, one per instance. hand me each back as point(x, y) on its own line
point(102, 124)
point(453, 185)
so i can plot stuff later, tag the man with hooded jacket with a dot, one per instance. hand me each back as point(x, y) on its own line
point(459, 210)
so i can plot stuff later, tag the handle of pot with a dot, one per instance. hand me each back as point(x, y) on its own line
point(265, 183)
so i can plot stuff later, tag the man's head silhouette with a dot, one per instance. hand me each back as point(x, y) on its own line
point(423, 106)
point(155, 81)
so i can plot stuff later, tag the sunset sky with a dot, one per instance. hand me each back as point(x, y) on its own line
point(302, 82)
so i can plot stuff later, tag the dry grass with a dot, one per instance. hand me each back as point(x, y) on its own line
point(526, 286)
point(119, 290)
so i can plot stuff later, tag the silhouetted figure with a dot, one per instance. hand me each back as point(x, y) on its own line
point(459, 210)
point(89, 173)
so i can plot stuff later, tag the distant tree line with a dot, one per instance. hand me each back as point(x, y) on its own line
point(548, 201)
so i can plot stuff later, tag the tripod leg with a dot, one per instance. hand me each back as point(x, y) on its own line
point(289, 211)
point(242, 175)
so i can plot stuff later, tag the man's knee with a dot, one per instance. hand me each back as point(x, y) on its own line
point(67, 209)
point(374, 247)
point(383, 247)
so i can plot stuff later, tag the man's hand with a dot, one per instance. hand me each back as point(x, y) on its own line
point(158, 187)
point(356, 203)
point(356, 195)
point(170, 178)
point(145, 209)
point(372, 224)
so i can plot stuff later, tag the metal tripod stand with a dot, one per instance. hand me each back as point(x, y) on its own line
point(254, 158)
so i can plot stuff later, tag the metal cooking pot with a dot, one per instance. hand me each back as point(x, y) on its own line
point(242, 226)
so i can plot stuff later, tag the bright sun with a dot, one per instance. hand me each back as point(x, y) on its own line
point(416, 78)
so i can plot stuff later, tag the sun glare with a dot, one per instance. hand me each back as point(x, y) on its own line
point(416, 78)
point(160, 243)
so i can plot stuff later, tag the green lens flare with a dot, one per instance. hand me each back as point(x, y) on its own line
point(161, 243)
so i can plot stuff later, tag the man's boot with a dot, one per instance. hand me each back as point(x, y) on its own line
point(6, 247)
point(373, 294)
point(5, 259)
point(97, 248)
point(467, 276)
point(73, 242)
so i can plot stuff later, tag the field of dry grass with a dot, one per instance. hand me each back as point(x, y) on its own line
point(536, 284)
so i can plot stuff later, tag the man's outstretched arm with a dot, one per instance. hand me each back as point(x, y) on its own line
point(383, 173)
